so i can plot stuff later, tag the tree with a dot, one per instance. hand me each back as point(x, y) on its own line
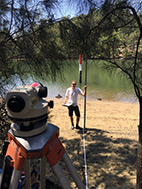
point(27, 45)
point(75, 34)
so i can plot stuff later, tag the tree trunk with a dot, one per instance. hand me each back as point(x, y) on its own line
point(139, 154)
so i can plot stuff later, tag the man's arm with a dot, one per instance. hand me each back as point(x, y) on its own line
point(66, 96)
point(84, 93)
point(66, 99)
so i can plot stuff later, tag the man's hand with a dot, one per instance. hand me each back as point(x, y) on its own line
point(84, 93)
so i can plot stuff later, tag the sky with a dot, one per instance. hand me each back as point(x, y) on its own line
point(65, 9)
point(68, 8)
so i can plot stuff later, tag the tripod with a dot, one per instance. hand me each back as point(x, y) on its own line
point(45, 145)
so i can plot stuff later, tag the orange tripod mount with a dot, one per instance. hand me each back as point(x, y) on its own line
point(45, 145)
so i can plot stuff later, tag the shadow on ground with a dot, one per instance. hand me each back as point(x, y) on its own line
point(111, 163)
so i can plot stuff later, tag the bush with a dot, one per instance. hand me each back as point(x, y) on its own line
point(4, 122)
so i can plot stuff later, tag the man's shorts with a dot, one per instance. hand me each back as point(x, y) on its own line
point(75, 109)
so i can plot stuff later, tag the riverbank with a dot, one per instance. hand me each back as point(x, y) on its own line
point(111, 142)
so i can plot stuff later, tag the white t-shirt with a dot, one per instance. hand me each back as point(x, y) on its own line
point(73, 95)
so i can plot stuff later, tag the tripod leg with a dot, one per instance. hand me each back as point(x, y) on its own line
point(63, 180)
point(6, 173)
point(13, 159)
point(27, 174)
point(15, 179)
point(42, 172)
point(73, 171)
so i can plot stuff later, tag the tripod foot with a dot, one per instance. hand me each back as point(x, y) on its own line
point(62, 178)
point(73, 171)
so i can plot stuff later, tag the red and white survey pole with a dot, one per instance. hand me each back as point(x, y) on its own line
point(84, 118)
point(80, 68)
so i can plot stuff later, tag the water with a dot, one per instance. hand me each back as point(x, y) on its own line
point(100, 84)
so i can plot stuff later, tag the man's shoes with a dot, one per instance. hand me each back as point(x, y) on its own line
point(72, 127)
point(77, 127)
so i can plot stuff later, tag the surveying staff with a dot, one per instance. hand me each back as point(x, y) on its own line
point(71, 98)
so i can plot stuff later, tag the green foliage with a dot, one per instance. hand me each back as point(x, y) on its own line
point(27, 41)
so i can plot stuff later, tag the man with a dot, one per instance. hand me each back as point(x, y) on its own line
point(71, 98)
